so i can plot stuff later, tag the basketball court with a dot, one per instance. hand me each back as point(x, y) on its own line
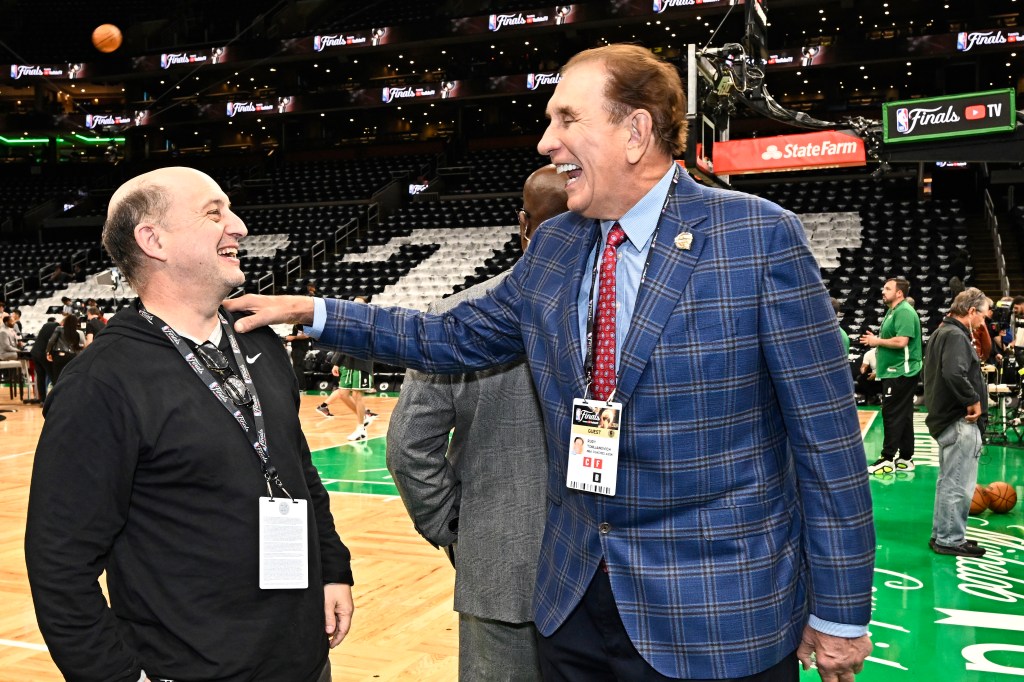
point(935, 617)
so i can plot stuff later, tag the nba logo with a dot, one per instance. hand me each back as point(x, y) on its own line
point(164, 61)
point(531, 81)
point(14, 71)
point(903, 120)
point(317, 45)
point(231, 109)
point(385, 95)
point(658, 7)
point(492, 22)
point(961, 41)
point(88, 121)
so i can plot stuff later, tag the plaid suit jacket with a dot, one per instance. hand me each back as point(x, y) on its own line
point(742, 502)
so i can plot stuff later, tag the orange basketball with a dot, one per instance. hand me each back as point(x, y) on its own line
point(1001, 497)
point(979, 502)
point(106, 37)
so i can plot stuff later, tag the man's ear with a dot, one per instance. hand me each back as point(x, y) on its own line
point(641, 126)
point(148, 237)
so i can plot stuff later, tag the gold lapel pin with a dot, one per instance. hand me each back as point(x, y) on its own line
point(684, 240)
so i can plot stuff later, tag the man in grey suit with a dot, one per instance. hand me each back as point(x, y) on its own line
point(484, 491)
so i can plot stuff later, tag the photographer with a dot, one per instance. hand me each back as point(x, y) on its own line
point(1016, 327)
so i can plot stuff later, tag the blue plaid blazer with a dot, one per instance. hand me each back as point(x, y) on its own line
point(742, 502)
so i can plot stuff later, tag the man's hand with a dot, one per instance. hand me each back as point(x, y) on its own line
point(338, 610)
point(973, 412)
point(868, 338)
point(838, 659)
point(270, 310)
point(335, 371)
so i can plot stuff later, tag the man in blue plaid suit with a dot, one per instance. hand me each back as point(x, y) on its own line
point(740, 536)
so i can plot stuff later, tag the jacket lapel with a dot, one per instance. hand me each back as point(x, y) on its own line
point(576, 265)
point(667, 274)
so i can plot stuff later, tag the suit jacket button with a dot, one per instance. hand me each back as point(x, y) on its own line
point(604, 527)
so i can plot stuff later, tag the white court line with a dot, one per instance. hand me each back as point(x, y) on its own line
point(867, 426)
point(23, 645)
point(350, 480)
point(366, 471)
point(384, 498)
point(18, 454)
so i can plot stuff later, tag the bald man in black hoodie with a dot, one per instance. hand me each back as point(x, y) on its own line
point(201, 452)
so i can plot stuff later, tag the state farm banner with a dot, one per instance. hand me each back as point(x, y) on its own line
point(930, 118)
point(825, 149)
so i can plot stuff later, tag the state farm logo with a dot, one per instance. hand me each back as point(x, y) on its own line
point(390, 94)
point(965, 41)
point(175, 58)
point(496, 22)
point(535, 80)
point(809, 150)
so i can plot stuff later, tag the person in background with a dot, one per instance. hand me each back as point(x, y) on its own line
point(299, 346)
point(9, 343)
point(899, 363)
point(201, 450)
point(16, 319)
point(93, 323)
point(837, 306)
point(957, 400)
point(64, 345)
point(469, 491)
point(726, 548)
point(43, 365)
point(355, 377)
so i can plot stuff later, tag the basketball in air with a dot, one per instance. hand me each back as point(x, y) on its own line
point(1001, 497)
point(979, 502)
point(106, 38)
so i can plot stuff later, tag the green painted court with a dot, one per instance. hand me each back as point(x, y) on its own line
point(935, 617)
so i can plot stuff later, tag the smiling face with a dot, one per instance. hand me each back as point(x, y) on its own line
point(585, 145)
point(201, 234)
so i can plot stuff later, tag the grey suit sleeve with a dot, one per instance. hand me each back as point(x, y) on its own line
point(417, 444)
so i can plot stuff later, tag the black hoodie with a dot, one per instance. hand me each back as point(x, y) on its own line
point(142, 473)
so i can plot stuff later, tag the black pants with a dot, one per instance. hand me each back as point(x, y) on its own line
point(898, 417)
point(592, 645)
point(300, 372)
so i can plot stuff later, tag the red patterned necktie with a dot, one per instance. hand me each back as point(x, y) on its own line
point(604, 357)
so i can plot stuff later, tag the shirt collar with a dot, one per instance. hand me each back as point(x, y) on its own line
point(640, 221)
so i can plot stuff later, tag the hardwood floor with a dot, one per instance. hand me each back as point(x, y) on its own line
point(403, 629)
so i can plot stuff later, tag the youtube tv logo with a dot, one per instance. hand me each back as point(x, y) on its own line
point(974, 112)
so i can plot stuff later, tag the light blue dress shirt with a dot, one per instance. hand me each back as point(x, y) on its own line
point(639, 224)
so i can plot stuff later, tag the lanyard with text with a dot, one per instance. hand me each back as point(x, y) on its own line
point(588, 360)
point(595, 424)
point(257, 438)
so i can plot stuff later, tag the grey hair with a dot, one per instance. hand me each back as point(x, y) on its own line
point(970, 297)
point(148, 201)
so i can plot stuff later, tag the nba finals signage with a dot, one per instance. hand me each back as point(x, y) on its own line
point(949, 116)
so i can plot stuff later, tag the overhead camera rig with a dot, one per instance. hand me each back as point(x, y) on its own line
point(723, 77)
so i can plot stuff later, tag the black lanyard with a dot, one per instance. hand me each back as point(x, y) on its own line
point(259, 438)
point(588, 362)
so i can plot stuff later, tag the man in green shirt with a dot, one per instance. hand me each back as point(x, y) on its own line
point(899, 362)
